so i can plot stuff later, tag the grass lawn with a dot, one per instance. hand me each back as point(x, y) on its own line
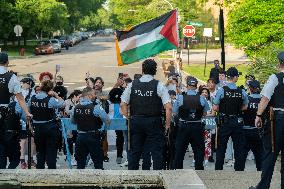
point(197, 70)
point(13, 50)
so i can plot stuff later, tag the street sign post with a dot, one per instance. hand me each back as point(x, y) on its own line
point(198, 24)
point(18, 31)
point(188, 31)
point(207, 32)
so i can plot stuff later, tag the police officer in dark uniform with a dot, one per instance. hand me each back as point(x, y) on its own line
point(272, 95)
point(229, 102)
point(42, 106)
point(11, 140)
point(88, 118)
point(190, 108)
point(9, 86)
point(146, 97)
point(252, 140)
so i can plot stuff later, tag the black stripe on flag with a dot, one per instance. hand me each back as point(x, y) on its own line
point(144, 27)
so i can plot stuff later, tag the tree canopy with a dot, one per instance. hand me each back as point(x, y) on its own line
point(257, 27)
point(43, 17)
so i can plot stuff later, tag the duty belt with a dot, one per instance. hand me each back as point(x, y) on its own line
point(184, 121)
point(92, 131)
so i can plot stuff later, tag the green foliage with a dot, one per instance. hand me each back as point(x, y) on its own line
point(197, 70)
point(96, 21)
point(127, 13)
point(254, 24)
point(43, 17)
point(266, 62)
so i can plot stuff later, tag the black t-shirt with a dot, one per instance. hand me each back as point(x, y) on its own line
point(61, 91)
point(214, 74)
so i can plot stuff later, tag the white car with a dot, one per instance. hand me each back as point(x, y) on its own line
point(56, 45)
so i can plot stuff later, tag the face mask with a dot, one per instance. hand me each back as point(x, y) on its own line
point(59, 83)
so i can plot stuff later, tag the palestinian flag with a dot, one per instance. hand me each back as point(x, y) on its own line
point(147, 39)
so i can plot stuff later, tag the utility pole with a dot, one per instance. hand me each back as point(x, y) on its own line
point(222, 36)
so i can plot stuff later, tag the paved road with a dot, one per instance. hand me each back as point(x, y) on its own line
point(97, 55)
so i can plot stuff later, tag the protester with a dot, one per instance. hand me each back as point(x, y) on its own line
point(70, 103)
point(102, 96)
point(215, 71)
point(27, 85)
point(59, 88)
point(45, 76)
point(207, 132)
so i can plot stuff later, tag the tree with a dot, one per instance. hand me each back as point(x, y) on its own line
point(255, 24)
point(78, 9)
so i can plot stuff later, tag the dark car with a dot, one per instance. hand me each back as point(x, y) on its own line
point(66, 42)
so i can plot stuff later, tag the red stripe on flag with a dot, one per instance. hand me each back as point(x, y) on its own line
point(169, 31)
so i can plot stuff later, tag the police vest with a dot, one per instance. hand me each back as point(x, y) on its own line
point(85, 118)
point(232, 102)
point(277, 99)
point(12, 120)
point(250, 114)
point(5, 95)
point(40, 110)
point(191, 110)
point(144, 99)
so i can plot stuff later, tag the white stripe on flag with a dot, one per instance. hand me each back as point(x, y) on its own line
point(140, 40)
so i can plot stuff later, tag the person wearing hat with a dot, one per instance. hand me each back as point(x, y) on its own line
point(43, 106)
point(146, 97)
point(272, 95)
point(229, 102)
point(252, 140)
point(190, 108)
point(9, 86)
point(89, 118)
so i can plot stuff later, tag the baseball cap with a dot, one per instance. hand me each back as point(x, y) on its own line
point(254, 84)
point(280, 56)
point(191, 81)
point(250, 77)
point(3, 58)
point(29, 81)
point(172, 92)
point(232, 72)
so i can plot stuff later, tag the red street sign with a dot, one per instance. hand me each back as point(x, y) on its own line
point(188, 31)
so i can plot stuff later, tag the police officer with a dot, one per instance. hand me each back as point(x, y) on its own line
point(146, 97)
point(11, 140)
point(252, 140)
point(9, 86)
point(229, 102)
point(88, 118)
point(190, 108)
point(42, 106)
point(272, 95)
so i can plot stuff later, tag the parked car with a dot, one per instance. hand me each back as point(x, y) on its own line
point(66, 42)
point(44, 47)
point(56, 45)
